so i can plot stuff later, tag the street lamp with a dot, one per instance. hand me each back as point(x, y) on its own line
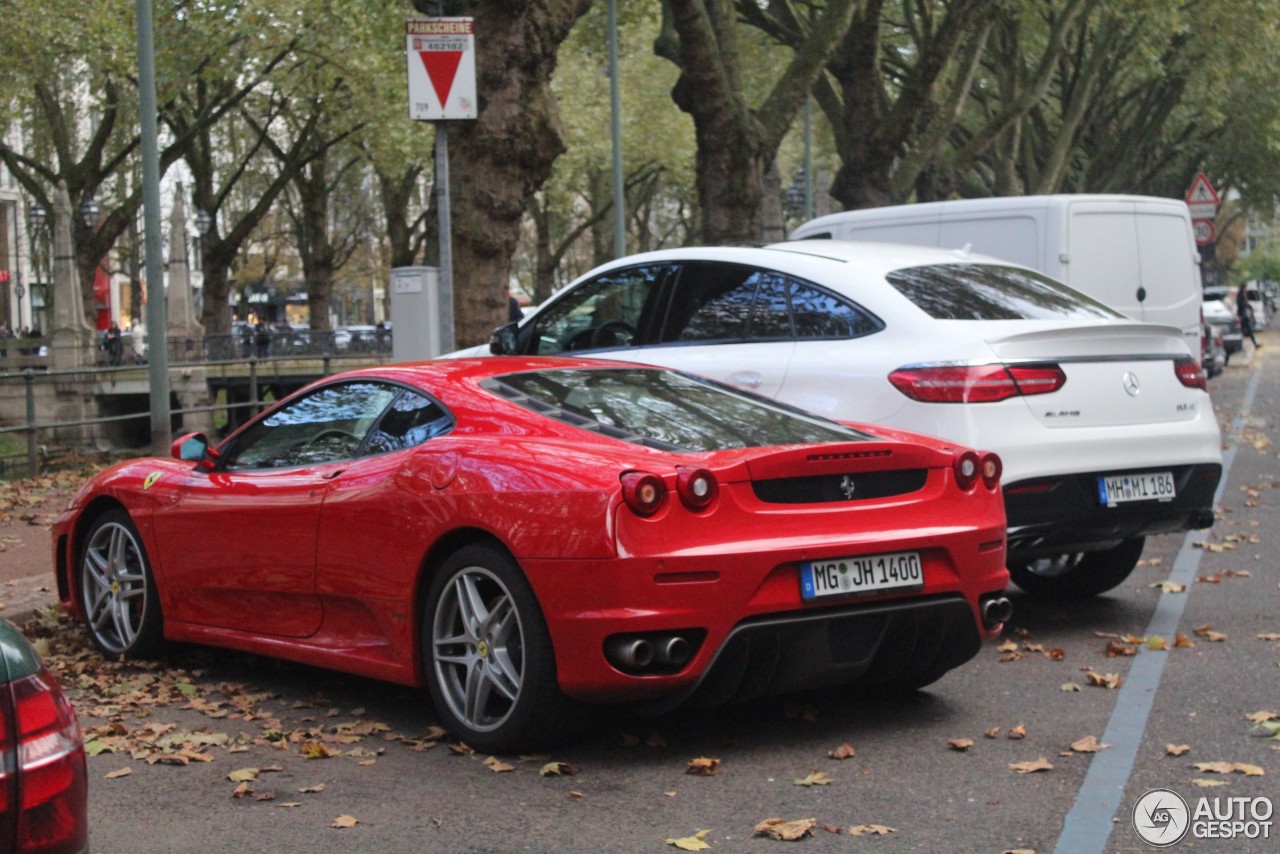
point(203, 223)
point(37, 220)
point(89, 211)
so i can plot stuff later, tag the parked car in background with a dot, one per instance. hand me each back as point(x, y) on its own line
point(43, 777)
point(1136, 254)
point(525, 536)
point(1104, 424)
point(1220, 313)
point(1213, 352)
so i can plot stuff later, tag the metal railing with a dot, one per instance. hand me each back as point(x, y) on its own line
point(283, 347)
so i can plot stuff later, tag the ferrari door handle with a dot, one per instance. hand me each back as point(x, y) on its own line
point(750, 379)
point(330, 475)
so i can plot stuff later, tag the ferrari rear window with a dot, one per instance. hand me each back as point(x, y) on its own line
point(664, 409)
point(993, 292)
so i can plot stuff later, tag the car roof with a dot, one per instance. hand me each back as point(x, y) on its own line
point(870, 258)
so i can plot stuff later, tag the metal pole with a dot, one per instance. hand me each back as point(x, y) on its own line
point(157, 322)
point(615, 101)
point(33, 463)
point(446, 232)
point(808, 159)
point(18, 290)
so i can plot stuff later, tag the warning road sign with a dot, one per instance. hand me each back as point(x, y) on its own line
point(1202, 199)
point(441, 55)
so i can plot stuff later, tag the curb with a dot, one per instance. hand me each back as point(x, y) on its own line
point(20, 598)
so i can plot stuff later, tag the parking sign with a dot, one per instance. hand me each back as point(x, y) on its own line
point(441, 55)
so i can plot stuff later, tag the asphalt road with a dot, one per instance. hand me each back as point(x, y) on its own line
point(329, 749)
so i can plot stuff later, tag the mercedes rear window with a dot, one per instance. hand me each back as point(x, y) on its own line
point(992, 292)
point(664, 409)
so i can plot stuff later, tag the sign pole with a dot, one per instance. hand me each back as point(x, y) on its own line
point(445, 225)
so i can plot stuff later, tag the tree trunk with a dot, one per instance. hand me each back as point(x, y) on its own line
point(498, 161)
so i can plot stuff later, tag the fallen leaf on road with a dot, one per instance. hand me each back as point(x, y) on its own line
point(557, 769)
point(1205, 784)
point(1103, 680)
point(992, 732)
point(844, 751)
point(497, 766)
point(1181, 641)
point(344, 821)
point(1032, 766)
point(1176, 749)
point(1157, 644)
point(1019, 731)
point(119, 772)
point(1262, 715)
point(960, 744)
point(1269, 636)
point(816, 778)
point(697, 842)
point(1069, 687)
point(1088, 744)
point(1169, 586)
point(242, 775)
point(312, 790)
point(1116, 649)
point(1207, 632)
point(703, 766)
point(786, 831)
point(871, 830)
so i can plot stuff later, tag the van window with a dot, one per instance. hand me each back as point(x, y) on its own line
point(991, 292)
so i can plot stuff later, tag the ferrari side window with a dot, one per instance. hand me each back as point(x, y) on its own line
point(411, 420)
point(325, 426)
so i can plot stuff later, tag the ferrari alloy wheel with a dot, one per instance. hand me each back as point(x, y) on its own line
point(1078, 574)
point(490, 665)
point(117, 590)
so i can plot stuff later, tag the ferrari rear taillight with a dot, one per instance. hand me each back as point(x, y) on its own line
point(43, 779)
point(697, 487)
point(643, 492)
point(1190, 374)
point(976, 383)
point(991, 468)
point(967, 467)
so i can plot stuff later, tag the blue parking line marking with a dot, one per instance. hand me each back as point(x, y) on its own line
point(1088, 825)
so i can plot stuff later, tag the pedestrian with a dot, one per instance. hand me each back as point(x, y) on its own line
point(514, 312)
point(1244, 311)
point(113, 343)
point(262, 338)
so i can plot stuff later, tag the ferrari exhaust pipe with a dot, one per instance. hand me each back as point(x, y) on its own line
point(995, 611)
point(629, 653)
point(674, 651)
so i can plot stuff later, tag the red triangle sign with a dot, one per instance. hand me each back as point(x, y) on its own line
point(442, 68)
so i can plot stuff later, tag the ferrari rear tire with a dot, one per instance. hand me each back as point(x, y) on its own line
point(117, 590)
point(1080, 574)
point(490, 666)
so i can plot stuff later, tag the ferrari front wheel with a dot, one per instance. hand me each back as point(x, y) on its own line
point(488, 655)
point(117, 590)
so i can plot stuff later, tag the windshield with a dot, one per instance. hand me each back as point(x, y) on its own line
point(992, 292)
point(664, 409)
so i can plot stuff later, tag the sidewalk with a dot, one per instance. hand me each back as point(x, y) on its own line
point(27, 511)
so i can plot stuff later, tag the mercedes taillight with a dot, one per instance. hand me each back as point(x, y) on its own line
point(43, 778)
point(976, 383)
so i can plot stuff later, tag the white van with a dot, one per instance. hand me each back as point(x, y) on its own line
point(1135, 253)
